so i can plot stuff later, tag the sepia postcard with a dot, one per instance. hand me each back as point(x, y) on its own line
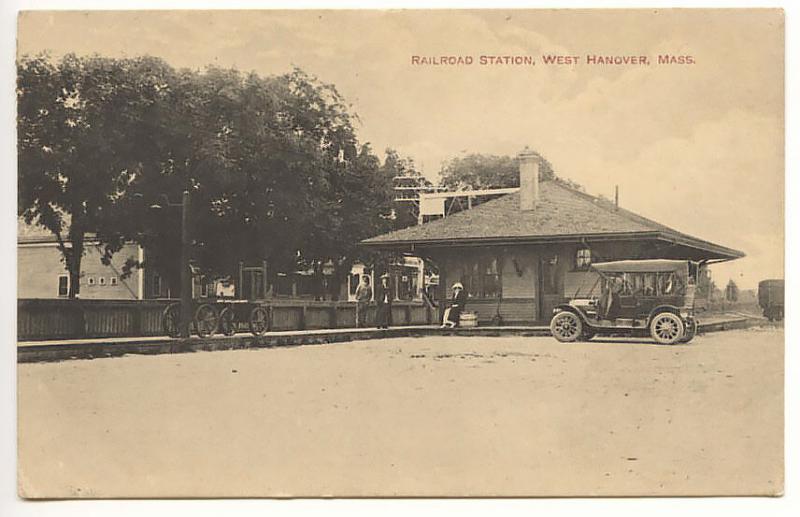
point(400, 253)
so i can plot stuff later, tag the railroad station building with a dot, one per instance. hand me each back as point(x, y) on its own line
point(521, 254)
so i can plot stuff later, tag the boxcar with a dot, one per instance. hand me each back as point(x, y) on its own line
point(770, 298)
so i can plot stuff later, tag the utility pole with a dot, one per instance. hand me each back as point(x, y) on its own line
point(186, 268)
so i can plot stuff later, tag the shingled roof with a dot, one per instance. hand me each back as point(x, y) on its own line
point(561, 214)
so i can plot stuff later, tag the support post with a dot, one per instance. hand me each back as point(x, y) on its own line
point(186, 271)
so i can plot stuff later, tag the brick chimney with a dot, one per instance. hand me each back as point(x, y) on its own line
point(528, 179)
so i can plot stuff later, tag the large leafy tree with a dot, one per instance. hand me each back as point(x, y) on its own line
point(272, 164)
point(81, 123)
point(275, 173)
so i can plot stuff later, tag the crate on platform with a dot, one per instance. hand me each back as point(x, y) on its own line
point(468, 319)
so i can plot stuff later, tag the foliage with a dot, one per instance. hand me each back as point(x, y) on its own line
point(705, 284)
point(731, 291)
point(272, 164)
point(81, 123)
point(481, 171)
point(402, 171)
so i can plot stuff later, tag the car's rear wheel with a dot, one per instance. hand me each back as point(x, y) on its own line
point(666, 328)
point(689, 331)
point(566, 327)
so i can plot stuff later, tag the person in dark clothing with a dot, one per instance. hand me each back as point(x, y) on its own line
point(383, 300)
point(452, 315)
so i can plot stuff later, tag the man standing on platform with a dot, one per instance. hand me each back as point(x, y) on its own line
point(363, 297)
point(383, 299)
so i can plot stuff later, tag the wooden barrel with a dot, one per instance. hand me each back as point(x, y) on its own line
point(468, 319)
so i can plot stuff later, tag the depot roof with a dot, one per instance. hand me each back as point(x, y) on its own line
point(562, 214)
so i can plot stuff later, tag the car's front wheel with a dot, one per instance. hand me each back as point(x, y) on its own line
point(566, 327)
point(666, 328)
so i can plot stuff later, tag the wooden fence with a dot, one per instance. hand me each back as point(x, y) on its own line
point(40, 319)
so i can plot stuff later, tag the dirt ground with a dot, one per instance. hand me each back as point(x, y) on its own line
point(411, 416)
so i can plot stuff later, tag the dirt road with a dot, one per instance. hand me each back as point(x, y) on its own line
point(416, 416)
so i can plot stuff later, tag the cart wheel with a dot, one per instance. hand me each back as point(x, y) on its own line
point(666, 328)
point(205, 320)
point(227, 321)
point(566, 326)
point(171, 320)
point(259, 321)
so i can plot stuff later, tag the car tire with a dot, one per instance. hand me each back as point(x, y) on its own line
point(566, 327)
point(689, 332)
point(666, 328)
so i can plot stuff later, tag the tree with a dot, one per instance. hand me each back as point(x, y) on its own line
point(79, 123)
point(705, 285)
point(402, 172)
point(480, 171)
point(731, 292)
point(273, 165)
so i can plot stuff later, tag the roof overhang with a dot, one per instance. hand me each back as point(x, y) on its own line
point(707, 250)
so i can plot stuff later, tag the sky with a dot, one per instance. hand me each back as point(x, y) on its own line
point(696, 147)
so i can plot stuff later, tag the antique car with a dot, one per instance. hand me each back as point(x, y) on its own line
point(770, 298)
point(637, 298)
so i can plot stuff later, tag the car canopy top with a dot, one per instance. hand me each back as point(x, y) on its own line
point(642, 266)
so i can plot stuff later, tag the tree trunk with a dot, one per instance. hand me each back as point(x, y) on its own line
point(73, 260)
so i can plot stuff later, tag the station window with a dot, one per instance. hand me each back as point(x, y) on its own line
point(63, 285)
point(90, 280)
point(481, 278)
point(583, 258)
point(112, 280)
point(101, 280)
point(491, 279)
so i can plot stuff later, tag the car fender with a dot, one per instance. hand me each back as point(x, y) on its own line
point(664, 308)
point(569, 308)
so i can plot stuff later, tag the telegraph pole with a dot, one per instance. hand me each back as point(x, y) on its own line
point(186, 268)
